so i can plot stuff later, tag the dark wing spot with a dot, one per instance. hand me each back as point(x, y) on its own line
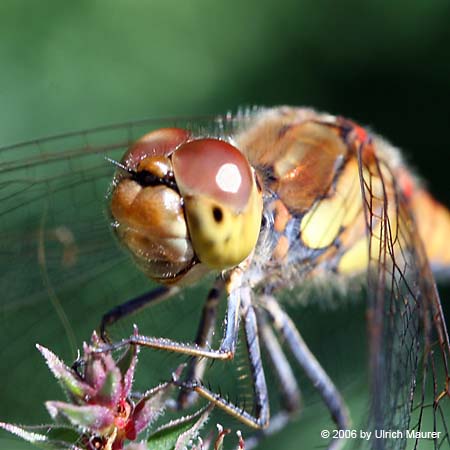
point(217, 214)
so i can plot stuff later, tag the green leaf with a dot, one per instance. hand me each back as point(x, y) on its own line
point(65, 375)
point(166, 439)
point(111, 387)
point(178, 433)
point(46, 437)
point(92, 417)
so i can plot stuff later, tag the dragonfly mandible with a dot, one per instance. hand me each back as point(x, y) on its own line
point(265, 200)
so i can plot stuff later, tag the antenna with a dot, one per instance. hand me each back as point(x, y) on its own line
point(120, 165)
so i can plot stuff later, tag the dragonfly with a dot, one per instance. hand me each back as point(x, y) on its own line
point(262, 201)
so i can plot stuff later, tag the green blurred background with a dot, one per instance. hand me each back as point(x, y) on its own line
point(73, 65)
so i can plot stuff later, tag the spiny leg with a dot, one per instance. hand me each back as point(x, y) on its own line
point(196, 366)
point(228, 345)
point(262, 414)
point(239, 303)
point(277, 423)
point(134, 305)
point(290, 391)
point(254, 354)
point(310, 365)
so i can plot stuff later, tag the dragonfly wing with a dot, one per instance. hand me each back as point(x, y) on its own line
point(54, 205)
point(60, 266)
point(409, 346)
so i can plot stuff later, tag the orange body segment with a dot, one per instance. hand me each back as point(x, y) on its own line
point(433, 222)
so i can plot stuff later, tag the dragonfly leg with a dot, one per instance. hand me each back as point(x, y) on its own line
point(228, 345)
point(261, 418)
point(309, 364)
point(277, 423)
point(134, 305)
point(290, 392)
point(196, 366)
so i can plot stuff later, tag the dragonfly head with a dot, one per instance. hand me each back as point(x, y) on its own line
point(184, 206)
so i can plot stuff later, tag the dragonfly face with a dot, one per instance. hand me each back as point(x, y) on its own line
point(187, 205)
point(265, 200)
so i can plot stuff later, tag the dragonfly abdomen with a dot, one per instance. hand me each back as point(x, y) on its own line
point(433, 222)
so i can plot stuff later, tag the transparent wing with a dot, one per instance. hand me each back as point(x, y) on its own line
point(61, 268)
point(409, 344)
point(54, 192)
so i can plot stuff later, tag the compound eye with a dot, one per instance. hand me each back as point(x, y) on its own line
point(160, 142)
point(222, 203)
point(215, 169)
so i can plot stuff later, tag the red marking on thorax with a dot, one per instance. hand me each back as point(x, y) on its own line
point(359, 139)
point(361, 134)
point(406, 183)
point(352, 133)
